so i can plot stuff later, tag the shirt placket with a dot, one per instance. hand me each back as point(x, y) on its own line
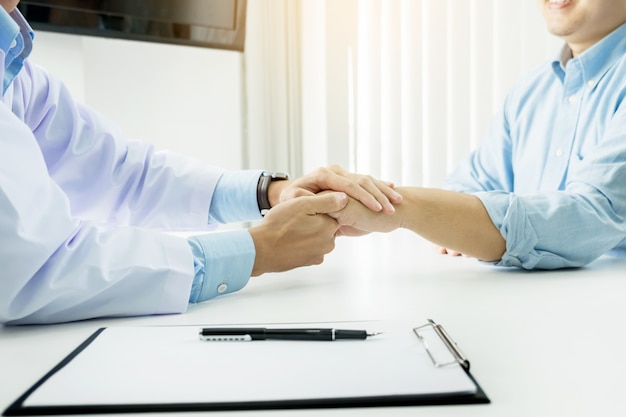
point(565, 127)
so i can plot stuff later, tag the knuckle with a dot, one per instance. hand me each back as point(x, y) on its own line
point(322, 171)
point(351, 185)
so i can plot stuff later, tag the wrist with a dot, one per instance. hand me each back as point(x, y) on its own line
point(258, 236)
point(275, 190)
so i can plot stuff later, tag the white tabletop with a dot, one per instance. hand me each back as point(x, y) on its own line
point(540, 343)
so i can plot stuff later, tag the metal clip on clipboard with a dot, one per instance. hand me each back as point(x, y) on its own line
point(458, 355)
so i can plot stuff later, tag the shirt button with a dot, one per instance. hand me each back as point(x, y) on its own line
point(572, 99)
point(222, 288)
point(13, 44)
point(558, 153)
point(591, 83)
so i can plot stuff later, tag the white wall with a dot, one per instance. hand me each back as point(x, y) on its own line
point(187, 99)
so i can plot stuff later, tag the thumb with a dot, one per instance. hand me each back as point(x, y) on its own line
point(326, 203)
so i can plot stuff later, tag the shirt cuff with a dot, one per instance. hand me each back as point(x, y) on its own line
point(234, 198)
point(508, 214)
point(223, 263)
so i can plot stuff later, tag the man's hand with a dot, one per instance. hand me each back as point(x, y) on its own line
point(375, 194)
point(356, 220)
point(296, 233)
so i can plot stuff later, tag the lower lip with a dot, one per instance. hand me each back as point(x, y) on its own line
point(558, 5)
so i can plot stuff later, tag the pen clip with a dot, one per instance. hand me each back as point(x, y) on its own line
point(453, 348)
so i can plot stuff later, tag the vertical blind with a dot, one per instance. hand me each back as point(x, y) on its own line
point(405, 89)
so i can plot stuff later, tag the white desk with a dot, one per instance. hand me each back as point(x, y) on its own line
point(540, 343)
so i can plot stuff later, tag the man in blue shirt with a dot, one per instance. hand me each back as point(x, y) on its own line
point(81, 209)
point(547, 186)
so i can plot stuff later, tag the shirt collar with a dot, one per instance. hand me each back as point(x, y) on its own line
point(597, 60)
point(16, 41)
point(9, 29)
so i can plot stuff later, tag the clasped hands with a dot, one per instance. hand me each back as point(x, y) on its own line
point(309, 212)
point(369, 202)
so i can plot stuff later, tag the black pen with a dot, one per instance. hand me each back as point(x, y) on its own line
point(220, 334)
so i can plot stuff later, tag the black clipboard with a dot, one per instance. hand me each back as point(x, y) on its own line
point(21, 407)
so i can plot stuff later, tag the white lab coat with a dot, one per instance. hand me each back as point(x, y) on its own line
point(72, 191)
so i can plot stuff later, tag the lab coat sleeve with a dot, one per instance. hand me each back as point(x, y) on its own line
point(106, 176)
point(56, 268)
point(57, 262)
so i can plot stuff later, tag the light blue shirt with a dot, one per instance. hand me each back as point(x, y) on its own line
point(83, 209)
point(223, 261)
point(551, 170)
point(16, 41)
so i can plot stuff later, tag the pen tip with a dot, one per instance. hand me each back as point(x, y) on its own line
point(374, 334)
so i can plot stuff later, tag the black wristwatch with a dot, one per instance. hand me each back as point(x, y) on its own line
point(263, 187)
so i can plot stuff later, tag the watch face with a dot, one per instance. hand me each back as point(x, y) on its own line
point(277, 176)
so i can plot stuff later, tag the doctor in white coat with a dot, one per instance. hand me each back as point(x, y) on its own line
point(83, 209)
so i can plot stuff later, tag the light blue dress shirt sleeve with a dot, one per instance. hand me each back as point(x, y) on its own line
point(234, 198)
point(223, 263)
point(223, 260)
point(552, 168)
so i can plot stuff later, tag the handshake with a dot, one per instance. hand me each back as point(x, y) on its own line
point(308, 213)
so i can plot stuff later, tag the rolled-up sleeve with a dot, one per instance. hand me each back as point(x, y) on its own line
point(561, 229)
point(530, 233)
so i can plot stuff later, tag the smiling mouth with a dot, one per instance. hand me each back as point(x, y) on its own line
point(558, 4)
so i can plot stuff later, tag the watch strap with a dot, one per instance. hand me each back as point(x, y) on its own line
point(263, 186)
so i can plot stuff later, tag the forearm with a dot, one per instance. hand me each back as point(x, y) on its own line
point(453, 220)
point(107, 176)
point(95, 273)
